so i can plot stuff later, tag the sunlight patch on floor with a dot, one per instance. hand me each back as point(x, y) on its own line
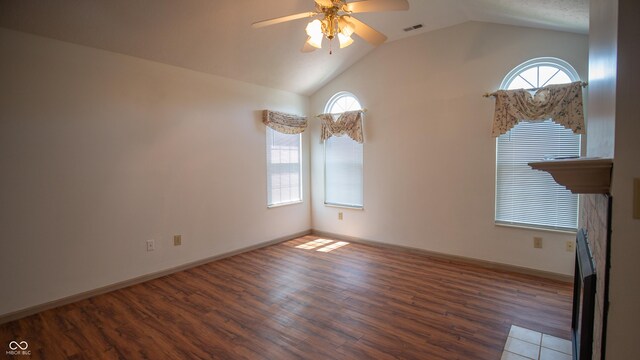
point(333, 246)
point(314, 244)
point(324, 245)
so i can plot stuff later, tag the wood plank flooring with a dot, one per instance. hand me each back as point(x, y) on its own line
point(291, 301)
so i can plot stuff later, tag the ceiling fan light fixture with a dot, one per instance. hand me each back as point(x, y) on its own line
point(315, 33)
point(330, 26)
point(315, 41)
point(314, 28)
point(345, 40)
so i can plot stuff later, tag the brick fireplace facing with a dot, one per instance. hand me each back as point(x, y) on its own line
point(594, 217)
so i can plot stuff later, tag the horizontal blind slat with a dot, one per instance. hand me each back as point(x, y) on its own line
point(343, 171)
point(527, 196)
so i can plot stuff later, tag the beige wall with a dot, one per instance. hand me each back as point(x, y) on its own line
point(622, 335)
point(429, 172)
point(602, 78)
point(100, 152)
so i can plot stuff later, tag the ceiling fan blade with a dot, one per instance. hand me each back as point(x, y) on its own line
point(324, 3)
point(282, 19)
point(377, 5)
point(369, 34)
point(307, 48)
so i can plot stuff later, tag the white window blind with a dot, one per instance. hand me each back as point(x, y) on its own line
point(343, 172)
point(284, 173)
point(525, 196)
point(343, 158)
point(529, 197)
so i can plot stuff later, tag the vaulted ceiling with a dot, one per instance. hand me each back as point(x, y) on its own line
point(215, 36)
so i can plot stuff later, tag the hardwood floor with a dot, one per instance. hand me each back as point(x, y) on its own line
point(291, 301)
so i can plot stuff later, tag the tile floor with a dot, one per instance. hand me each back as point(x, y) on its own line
point(525, 344)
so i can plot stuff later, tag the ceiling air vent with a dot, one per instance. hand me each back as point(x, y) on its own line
point(414, 27)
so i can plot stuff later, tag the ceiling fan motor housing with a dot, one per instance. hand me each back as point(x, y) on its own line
point(331, 24)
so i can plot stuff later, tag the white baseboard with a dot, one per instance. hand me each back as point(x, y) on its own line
point(479, 262)
point(140, 279)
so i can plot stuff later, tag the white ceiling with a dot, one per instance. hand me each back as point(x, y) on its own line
point(215, 36)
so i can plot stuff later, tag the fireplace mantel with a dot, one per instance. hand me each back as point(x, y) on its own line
point(579, 175)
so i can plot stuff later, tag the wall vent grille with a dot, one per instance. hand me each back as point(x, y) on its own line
point(414, 27)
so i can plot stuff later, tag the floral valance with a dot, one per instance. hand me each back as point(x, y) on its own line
point(284, 123)
point(349, 123)
point(562, 103)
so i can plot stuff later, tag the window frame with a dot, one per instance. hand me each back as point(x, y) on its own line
point(268, 172)
point(536, 62)
point(508, 79)
point(327, 109)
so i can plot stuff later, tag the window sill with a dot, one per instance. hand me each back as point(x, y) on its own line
point(284, 204)
point(535, 228)
point(344, 206)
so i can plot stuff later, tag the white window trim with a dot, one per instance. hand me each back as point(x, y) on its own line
point(535, 228)
point(285, 204)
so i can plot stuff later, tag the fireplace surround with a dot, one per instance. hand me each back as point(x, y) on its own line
point(591, 178)
point(584, 294)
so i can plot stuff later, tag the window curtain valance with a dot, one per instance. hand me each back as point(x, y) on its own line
point(349, 122)
point(284, 123)
point(562, 103)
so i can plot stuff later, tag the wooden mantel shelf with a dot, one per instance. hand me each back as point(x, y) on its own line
point(579, 175)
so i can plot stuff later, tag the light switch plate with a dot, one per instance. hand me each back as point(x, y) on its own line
point(636, 198)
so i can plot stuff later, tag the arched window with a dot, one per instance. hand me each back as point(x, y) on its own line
point(525, 196)
point(343, 159)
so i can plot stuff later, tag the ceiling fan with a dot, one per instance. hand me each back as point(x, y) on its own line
point(333, 19)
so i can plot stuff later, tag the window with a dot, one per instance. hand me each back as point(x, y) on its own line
point(525, 196)
point(284, 173)
point(343, 160)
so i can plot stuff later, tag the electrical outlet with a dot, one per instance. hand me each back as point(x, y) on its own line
point(340, 216)
point(177, 240)
point(571, 245)
point(151, 245)
point(537, 242)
